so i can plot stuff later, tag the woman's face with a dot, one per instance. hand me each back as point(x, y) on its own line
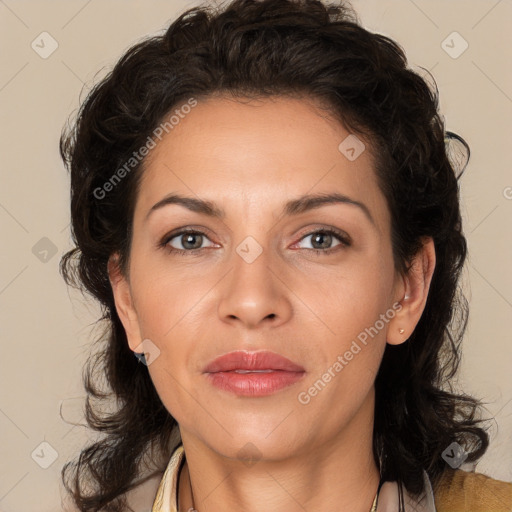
point(251, 280)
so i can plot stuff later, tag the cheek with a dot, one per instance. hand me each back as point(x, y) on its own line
point(171, 315)
point(173, 372)
point(347, 300)
point(165, 296)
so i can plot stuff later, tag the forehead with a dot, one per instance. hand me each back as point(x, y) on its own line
point(261, 151)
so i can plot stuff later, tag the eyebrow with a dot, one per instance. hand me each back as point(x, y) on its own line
point(293, 207)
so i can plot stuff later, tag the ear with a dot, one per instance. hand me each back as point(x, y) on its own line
point(412, 294)
point(124, 303)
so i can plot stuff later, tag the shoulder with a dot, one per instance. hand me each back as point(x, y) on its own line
point(460, 491)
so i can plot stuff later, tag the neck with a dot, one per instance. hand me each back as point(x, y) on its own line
point(337, 475)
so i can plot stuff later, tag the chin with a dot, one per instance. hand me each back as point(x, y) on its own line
point(255, 443)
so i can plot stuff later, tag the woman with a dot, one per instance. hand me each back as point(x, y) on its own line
point(263, 203)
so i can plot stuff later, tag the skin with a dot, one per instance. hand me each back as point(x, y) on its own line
point(250, 158)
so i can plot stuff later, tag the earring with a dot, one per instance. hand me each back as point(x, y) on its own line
point(401, 331)
point(141, 357)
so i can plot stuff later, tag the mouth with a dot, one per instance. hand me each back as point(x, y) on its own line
point(243, 361)
point(253, 373)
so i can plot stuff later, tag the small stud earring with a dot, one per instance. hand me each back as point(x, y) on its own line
point(401, 331)
point(141, 357)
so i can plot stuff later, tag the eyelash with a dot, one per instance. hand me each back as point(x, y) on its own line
point(342, 238)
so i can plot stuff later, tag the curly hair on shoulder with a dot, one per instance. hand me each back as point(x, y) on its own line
point(249, 48)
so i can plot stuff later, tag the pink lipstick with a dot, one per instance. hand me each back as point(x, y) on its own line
point(253, 373)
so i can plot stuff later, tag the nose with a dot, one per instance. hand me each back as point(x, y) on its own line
point(255, 294)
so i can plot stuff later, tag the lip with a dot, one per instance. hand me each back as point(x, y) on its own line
point(243, 360)
point(253, 373)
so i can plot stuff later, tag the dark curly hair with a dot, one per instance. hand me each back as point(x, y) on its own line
point(300, 49)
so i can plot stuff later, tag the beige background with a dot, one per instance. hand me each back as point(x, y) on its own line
point(46, 329)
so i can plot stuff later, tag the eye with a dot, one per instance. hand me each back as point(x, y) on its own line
point(185, 241)
point(322, 240)
point(190, 241)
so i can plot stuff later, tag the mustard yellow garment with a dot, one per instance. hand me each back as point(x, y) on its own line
point(459, 491)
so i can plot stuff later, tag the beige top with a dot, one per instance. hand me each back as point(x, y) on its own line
point(167, 494)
